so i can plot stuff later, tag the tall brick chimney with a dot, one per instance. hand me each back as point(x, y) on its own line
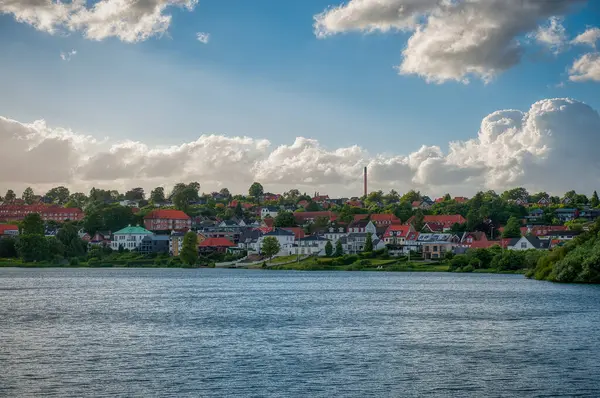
point(365, 182)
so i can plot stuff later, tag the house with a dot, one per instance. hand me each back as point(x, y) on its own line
point(589, 214)
point(285, 238)
point(460, 199)
point(232, 233)
point(421, 204)
point(129, 203)
point(522, 201)
point(270, 197)
point(435, 246)
point(230, 224)
point(310, 245)
point(544, 201)
point(307, 217)
point(447, 221)
point(269, 211)
point(355, 242)
point(432, 227)
point(215, 245)
point(267, 222)
point(167, 220)
point(100, 239)
point(248, 239)
point(129, 238)
point(334, 232)
point(17, 212)
point(469, 238)
point(246, 206)
point(528, 242)
point(396, 235)
point(298, 232)
point(175, 243)
point(559, 235)
point(382, 219)
point(541, 230)
point(320, 199)
point(154, 244)
point(566, 214)
point(354, 203)
point(535, 215)
point(362, 226)
point(303, 203)
point(8, 230)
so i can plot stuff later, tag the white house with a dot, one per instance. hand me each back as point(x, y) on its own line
point(355, 242)
point(269, 211)
point(334, 233)
point(313, 244)
point(527, 242)
point(285, 238)
point(129, 238)
point(362, 226)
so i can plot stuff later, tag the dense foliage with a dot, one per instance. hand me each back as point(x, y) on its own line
point(577, 261)
point(495, 258)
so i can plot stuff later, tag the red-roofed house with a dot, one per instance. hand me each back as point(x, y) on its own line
point(432, 227)
point(233, 204)
point(469, 238)
point(396, 234)
point(13, 212)
point(8, 230)
point(298, 232)
point(164, 220)
point(384, 219)
point(447, 221)
point(354, 203)
point(303, 203)
point(268, 222)
point(460, 199)
point(320, 199)
point(219, 245)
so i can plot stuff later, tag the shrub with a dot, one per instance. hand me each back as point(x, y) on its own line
point(74, 262)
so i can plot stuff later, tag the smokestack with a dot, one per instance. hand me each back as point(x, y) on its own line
point(365, 182)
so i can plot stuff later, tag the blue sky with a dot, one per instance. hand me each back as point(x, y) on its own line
point(265, 74)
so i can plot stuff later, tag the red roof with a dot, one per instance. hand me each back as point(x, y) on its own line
point(7, 227)
point(460, 199)
point(246, 206)
point(216, 242)
point(401, 230)
point(298, 232)
point(302, 216)
point(385, 218)
point(354, 203)
point(358, 217)
point(320, 198)
point(303, 203)
point(446, 221)
point(544, 229)
point(484, 244)
point(167, 214)
point(269, 222)
point(434, 226)
point(416, 203)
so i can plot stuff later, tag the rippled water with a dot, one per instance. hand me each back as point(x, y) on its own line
point(149, 332)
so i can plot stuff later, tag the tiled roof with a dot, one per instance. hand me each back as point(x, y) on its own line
point(298, 232)
point(378, 218)
point(133, 231)
point(167, 214)
point(269, 222)
point(279, 232)
point(401, 231)
point(446, 220)
point(7, 227)
point(216, 242)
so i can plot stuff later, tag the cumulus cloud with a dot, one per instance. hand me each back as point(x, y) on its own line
point(540, 148)
point(127, 20)
point(452, 40)
point(203, 37)
point(589, 37)
point(66, 56)
point(586, 67)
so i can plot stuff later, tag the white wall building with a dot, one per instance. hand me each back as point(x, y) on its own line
point(130, 238)
point(285, 238)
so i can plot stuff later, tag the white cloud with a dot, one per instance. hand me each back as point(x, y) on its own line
point(586, 67)
point(553, 35)
point(203, 37)
point(540, 149)
point(589, 37)
point(451, 40)
point(127, 20)
point(66, 56)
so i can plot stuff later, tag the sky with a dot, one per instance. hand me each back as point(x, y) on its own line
point(434, 95)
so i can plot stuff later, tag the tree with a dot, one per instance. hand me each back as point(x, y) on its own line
point(189, 249)
point(418, 220)
point(184, 197)
point(411, 196)
point(594, 200)
point(339, 249)
point(32, 248)
point(180, 186)
point(135, 194)
point(256, 190)
point(328, 249)
point(32, 224)
point(77, 199)
point(292, 194)
point(239, 211)
point(157, 195)
point(58, 195)
point(10, 196)
point(28, 195)
point(285, 219)
point(512, 229)
point(68, 235)
point(225, 192)
point(515, 193)
point(369, 243)
point(107, 218)
point(8, 247)
point(447, 197)
point(312, 206)
point(270, 246)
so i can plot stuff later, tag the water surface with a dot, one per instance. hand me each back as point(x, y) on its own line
point(152, 332)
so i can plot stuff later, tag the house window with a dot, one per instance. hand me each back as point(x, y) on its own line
point(435, 248)
point(523, 245)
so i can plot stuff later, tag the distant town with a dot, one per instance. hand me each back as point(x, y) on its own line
point(302, 224)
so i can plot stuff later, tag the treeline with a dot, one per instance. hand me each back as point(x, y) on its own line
point(495, 259)
point(578, 261)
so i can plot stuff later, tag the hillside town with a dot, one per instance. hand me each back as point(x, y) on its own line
point(305, 225)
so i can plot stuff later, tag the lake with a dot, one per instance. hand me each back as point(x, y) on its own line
point(242, 333)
